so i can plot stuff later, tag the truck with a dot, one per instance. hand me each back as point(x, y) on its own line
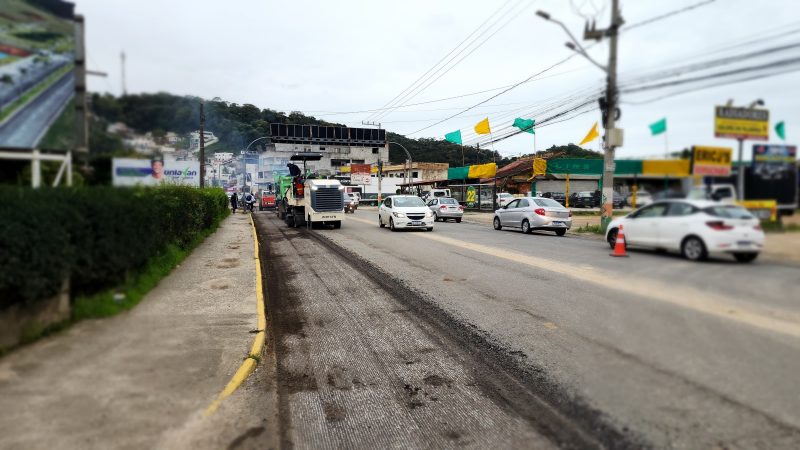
point(305, 200)
point(778, 185)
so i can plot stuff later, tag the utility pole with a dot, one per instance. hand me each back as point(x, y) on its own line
point(202, 148)
point(613, 138)
point(609, 103)
point(81, 105)
point(124, 86)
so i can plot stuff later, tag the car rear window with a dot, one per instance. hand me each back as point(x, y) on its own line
point(546, 202)
point(448, 201)
point(728, 212)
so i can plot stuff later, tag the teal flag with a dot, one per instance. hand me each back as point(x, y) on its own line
point(658, 127)
point(525, 125)
point(458, 173)
point(454, 137)
point(780, 128)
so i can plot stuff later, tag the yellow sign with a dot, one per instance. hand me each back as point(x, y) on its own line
point(761, 208)
point(713, 161)
point(741, 123)
point(539, 166)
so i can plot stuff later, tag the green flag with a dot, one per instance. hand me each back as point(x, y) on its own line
point(454, 137)
point(658, 127)
point(780, 128)
point(525, 125)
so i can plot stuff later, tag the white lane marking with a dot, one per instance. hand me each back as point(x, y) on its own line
point(684, 297)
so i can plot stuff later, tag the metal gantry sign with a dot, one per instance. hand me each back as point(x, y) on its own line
point(741, 123)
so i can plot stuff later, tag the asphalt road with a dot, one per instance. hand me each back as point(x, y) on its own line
point(29, 125)
point(646, 351)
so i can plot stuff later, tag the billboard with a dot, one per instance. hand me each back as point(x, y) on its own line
point(360, 173)
point(741, 123)
point(37, 43)
point(146, 172)
point(712, 161)
point(774, 162)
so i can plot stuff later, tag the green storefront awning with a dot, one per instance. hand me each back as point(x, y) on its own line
point(591, 166)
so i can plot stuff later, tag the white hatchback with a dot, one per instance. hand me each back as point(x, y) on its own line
point(405, 211)
point(695, 228)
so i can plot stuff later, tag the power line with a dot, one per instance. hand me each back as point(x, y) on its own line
point(426, 83)
point(667, 15)
point(445, 56)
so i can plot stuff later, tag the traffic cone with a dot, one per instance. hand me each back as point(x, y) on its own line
point(619, 245)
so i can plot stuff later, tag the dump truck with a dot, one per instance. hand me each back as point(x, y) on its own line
point(307, 200)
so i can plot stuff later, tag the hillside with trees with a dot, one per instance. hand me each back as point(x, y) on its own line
point(237, 125)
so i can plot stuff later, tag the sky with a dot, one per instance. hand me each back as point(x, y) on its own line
point(325, 57)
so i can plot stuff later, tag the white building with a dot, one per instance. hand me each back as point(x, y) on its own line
point(223, 157)
point(339, 147)
point(194, 139)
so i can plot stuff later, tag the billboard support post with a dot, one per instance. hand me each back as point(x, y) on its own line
point(81, 115)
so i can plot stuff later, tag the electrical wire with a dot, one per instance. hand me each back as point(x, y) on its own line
point(667, 15)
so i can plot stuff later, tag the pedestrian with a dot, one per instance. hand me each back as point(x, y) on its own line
point(234, 202)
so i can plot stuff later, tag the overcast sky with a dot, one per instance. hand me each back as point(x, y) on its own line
point(340, 56)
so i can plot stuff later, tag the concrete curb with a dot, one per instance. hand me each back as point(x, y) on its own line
point(249, 364)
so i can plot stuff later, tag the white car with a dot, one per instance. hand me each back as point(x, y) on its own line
point(405, 211)
point(504, 198)
point(695, 228)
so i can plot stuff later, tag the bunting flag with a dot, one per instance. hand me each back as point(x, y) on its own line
point(658, 127)
point(525, 125)
point(454, 137)
point(780, 129)
point(592, 135)
point(482, 127)
point(482, 171)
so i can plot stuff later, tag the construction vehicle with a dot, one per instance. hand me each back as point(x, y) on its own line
point(306, 200)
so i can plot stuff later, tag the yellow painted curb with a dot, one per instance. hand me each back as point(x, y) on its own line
point(248, 365)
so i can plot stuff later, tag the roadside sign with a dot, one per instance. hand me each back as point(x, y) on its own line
point(741, 123)
point(713, 161)
point(360, 173)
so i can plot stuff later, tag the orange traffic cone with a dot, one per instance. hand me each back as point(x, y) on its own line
point(619, 245)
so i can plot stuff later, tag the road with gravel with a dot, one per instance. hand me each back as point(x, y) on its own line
point(466, 336)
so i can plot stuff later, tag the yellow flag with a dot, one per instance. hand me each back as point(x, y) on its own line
point(482, 127)
point(591, 136)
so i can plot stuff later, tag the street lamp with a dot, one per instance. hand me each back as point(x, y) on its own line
point(408, 161)
point(574, 45)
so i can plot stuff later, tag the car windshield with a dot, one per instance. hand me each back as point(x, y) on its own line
point(504, 195)
point(448, 201)
point(546, 202)
point(728, 212)
point(405, 202)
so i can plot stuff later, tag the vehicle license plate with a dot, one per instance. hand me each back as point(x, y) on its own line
point(416, 223)
point(558, 223)
point(744, 243)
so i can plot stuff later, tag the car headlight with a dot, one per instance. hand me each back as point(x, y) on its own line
point(428, 214)
point(341, 188)
point(314, 187)
point(398, 214)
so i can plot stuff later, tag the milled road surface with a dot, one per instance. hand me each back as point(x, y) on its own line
point(364, 362)
point(646, 351)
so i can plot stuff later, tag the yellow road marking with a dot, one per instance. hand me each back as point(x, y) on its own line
point(248, 365)
point(685, 297)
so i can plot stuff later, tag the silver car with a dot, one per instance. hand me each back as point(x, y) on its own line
point(444, 208)
point(534, 213)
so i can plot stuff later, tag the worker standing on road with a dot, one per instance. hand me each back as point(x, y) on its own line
point(234, 202)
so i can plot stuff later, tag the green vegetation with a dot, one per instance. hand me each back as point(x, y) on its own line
point(98, 237)
point(39, 36)
point(33, 92)
point(61, 134)
point(589, 228)
point(780, 227)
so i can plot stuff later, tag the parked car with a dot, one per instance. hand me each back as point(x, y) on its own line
point(695, 228)
point(643, 198)
point(618, 201)
point(350, 203)
point(583, 199)
point(405, 211)
point(534, 213)
point(503, 198)
point(560, 197)
point(445, 208)
point(435, 193)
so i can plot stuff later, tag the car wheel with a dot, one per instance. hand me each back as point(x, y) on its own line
point(458, 220)
point(694, 249)
point(497, 225)
point(435, 217)
point(391, 224)
point(612, 238)
point(561, 232)
point(526, 226)
point(745, 257)
point(380, 222)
